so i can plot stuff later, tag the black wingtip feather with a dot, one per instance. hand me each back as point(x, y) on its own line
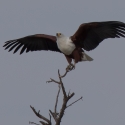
point(13, 47)
point(18, 47)
point(23, 49)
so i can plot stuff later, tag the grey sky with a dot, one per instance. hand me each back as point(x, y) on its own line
point(23, 78)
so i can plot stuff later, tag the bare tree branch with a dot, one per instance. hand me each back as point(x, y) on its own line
point(50, 119)
point(52, 80)
point(69, 93)
point(43, 123)
point(57, 100)
point(65, 73)
point(66, 97)
point(39, 115)
point(74, 102)
point(33, 123)
point(63, 89)
point(53, 115)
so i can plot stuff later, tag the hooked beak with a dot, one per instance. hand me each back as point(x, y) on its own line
point(57, 34)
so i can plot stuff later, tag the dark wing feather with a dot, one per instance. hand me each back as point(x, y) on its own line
point(89, 35)
point(33, 43)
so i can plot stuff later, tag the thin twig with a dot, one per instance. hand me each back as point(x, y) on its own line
point(33, 123)
point(69, 93)
point(63, 88)
point(43, 123)
point(57, 100)
point(52, 80)
point(50, 119)
point(70, 96)
point(39, 115)
point(65, 73)
point(74, 102)
point(53, 115)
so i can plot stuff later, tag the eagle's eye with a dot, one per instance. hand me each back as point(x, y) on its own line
point(60, 34)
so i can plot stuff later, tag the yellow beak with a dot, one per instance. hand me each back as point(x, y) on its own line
point(58, 34)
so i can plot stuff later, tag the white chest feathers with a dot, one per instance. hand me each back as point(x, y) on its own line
point(65, 45)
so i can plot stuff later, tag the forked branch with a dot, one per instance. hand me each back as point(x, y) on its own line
point(47, 121)
point(57, 116)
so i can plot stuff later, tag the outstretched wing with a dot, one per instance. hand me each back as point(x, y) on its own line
point(33, 43)
point(89, 35)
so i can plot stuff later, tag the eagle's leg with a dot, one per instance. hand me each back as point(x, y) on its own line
point(77, 55)
point(74, 64)
point(70, 66)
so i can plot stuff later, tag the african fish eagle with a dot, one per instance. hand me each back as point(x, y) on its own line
point(87, 37)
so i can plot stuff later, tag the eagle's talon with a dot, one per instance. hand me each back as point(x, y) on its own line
point(67, 68)
point(70, 67)
point(73, 67)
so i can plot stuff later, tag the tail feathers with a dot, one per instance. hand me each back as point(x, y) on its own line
point(86, 57)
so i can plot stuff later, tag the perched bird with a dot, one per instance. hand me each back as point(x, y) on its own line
point(87, 37)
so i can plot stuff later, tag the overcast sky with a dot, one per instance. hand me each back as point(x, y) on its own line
point(23, 78)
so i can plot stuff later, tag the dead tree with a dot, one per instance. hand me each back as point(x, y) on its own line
point(57, 116)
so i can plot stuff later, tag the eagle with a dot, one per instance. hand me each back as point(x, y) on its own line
point(87, 37)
